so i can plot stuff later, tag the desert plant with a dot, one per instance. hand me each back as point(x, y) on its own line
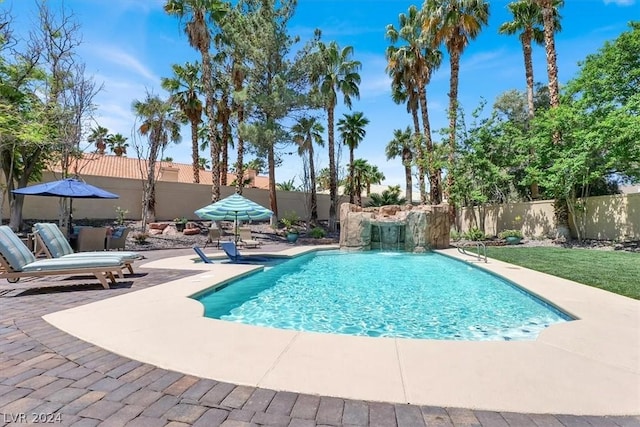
point(120, 215)
point(289, 220)
point(474, 234)
point(510, 233)
point(318, 233)
point(140, 237)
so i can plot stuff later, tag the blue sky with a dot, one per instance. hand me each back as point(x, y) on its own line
point(128, 45)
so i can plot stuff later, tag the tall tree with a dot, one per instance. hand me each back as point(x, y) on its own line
point(337, 73)
point(454, 23)
point(160, 124)
point(527, 18)
point(550, 19)
point(307, 132)
point(99, 136)
point(351, 128)
point(184, 87)
point(411, 67)
point(402, 146)
point(198, 14)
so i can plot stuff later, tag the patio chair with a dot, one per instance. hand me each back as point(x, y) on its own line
point(53, 244)
point(17, 261)
point(118, 238)
point(234, 255)
point(91, 239)
point(246, 239)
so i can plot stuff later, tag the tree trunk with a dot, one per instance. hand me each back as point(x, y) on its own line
point(352, 185)
point(453, 115)
point(426, 126)
point(213, 140)
point(332, 172)
point(195, 154)
point(416, 131)
point(528, 66)
point(312, 177)
point(408, 191)
point(273, 200)
point(224, 142)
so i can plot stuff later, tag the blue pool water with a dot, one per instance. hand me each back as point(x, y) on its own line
point(383, 294)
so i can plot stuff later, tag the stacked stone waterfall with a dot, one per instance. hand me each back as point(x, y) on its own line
point(425, 226)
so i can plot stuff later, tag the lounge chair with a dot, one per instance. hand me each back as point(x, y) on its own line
point(17, 261)
point(246, 239)
point(202, 256)
point(53, 244)
point(231, 250)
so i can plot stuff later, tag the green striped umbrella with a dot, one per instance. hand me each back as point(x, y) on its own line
point(234, 207)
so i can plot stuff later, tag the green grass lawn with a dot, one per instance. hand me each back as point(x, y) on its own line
point(617, 272)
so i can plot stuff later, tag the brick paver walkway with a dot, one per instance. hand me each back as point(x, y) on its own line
point(48, 375)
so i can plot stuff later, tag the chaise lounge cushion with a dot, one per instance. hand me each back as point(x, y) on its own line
point(51, 264)
point(58, 245)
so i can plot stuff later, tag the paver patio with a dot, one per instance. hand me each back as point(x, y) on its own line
point(46, 371)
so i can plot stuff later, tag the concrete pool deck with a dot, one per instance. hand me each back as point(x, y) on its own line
point(590, 366)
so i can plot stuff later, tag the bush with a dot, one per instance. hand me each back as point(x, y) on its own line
point(455, 235)
point(318, 233)
point(510, 233)
point(140, 237)
point(474, 234)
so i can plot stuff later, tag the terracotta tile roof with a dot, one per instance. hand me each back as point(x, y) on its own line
point(93, 164)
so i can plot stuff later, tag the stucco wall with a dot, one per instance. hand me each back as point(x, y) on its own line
point(608, 218)
point(173, 200)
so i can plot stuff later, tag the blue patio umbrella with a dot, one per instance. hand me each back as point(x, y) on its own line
point(234, 207)
point(69, 187)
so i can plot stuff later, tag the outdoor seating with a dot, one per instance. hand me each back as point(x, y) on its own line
point(234, 255)
point(202, 255)
point(118, 238)
point(53, 244)
point(246, 239)
point(91, 239)
point(18, 261)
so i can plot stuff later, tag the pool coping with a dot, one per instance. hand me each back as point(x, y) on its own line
point(590, 366)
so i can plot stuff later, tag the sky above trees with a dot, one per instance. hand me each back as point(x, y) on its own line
point(129, 45)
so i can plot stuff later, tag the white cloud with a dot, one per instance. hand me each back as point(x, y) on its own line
point(621, 2)
point(125, 62)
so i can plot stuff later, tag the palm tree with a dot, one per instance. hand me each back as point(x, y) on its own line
point(365, 175)
point(527, 17)
point(99, 137)
point(402, 146)
point(550, 20)
point(390, 196)
point(160, 124)
point(306, 132)
point(196, 13)
point(336, 73)
point(118, 144)
point(184, 87)
point(351, 128)
point(411, 66)
point(454, 23)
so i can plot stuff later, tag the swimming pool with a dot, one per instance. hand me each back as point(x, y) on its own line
point(383, 294)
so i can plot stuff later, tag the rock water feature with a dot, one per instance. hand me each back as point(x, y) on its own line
point(395, 228)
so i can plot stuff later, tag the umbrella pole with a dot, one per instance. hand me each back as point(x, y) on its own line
point(236, 231)
point(70, 218)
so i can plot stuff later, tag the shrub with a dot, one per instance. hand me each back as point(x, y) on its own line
point(455, 235)
point(510, 233)
point(120, 215)
point(474, 234)
point(140, 237)
point(318, 233)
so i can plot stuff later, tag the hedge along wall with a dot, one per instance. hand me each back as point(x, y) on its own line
point(173, 199)
point(614, 217)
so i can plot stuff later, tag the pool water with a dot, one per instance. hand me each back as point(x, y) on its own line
point(383, 294)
